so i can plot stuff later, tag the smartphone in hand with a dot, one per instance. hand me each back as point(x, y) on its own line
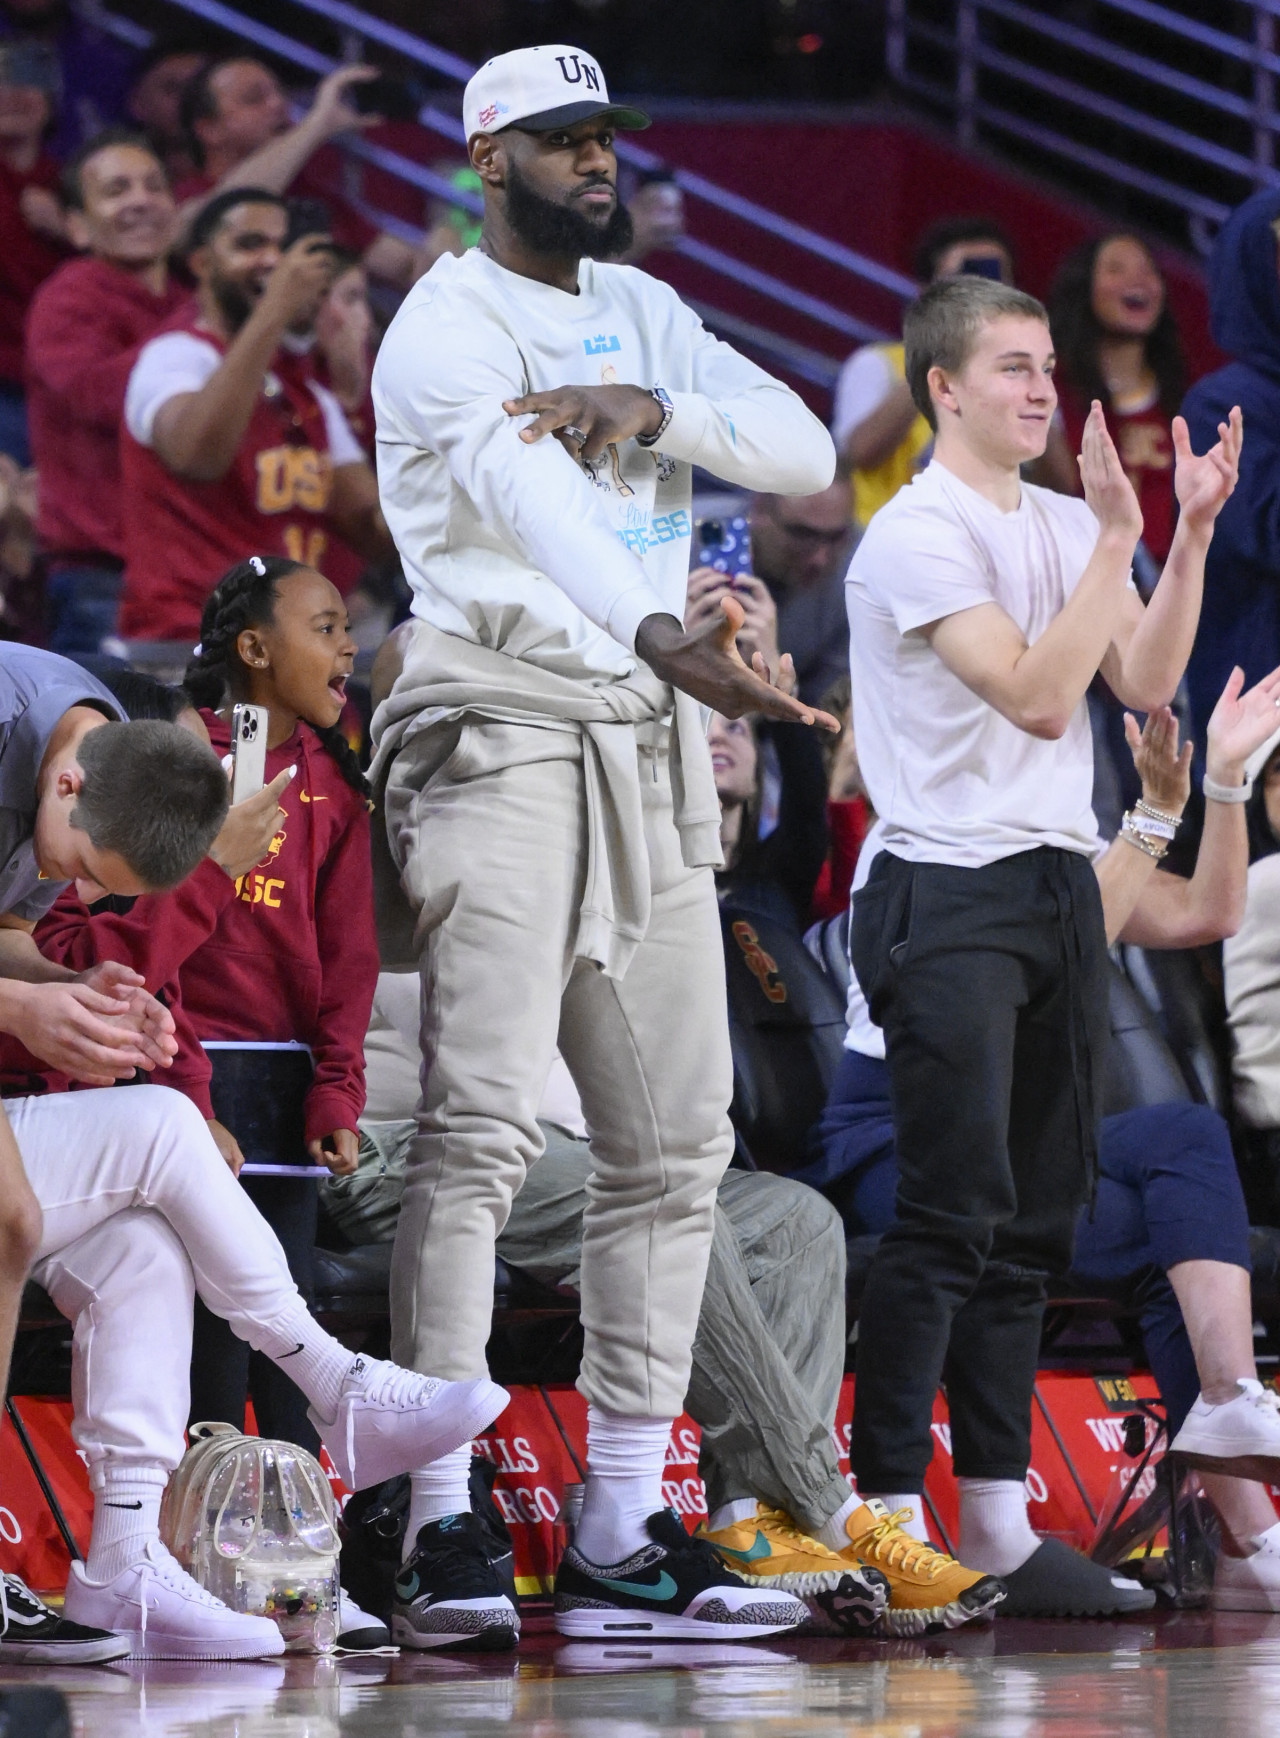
point(724, 544)
point(248, 751)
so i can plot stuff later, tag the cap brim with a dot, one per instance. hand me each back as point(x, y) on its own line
point(625, 119)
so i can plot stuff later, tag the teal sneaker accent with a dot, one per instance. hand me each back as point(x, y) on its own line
point(760, 1548)
point(407, 1586)
point(664, 1588)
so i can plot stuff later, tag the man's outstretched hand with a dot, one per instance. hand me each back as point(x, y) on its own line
point(708, 665)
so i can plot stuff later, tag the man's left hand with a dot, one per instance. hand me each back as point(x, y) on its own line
point(340, 1151)
point(1204, 485)
point(599, 415)
point(149, 1018)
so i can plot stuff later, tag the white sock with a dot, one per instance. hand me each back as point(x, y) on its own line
point(126, 1515)
point(625, 1461)
point(995, 1534)
point(832, 1532)
point(436, 1491)
point(313, 1359)
point(732, 1514)
point(895, 1500)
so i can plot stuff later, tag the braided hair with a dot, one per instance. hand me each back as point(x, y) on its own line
point(245, 597)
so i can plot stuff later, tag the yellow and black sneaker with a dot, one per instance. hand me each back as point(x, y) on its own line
point(772, 1551)
point(928, 1590)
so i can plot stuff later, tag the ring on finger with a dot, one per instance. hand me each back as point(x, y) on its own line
point(572, 432)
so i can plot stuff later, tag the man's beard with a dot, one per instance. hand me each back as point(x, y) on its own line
point(235, 304)
point(547, 227)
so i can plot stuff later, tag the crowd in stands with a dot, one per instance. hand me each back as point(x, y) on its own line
point(190, 310)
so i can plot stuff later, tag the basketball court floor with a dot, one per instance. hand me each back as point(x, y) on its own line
point(1170, 1675)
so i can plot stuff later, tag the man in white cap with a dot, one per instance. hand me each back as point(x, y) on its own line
point(552, 814)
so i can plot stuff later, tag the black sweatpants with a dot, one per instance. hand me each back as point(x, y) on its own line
point(990, 985)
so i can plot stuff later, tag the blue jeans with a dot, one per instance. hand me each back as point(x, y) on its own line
point(1168, 1191)
point(83, 601)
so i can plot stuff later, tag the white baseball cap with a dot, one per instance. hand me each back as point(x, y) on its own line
point(540, 89)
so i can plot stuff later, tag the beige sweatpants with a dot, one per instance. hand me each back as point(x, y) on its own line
point(491, 848)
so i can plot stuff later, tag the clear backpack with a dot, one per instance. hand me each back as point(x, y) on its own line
point(254, 1522)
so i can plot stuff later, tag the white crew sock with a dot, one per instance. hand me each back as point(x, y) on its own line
point(625, 1460)
point(313, 1359)
point(995, 1534)
point(895, 1500)
point(436, 1491)
point(732, 1514)
point(832, 1532)
point(126, 1516)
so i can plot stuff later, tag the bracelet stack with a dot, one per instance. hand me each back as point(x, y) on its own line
point(1149, 829)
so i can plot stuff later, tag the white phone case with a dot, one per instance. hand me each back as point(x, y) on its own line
point(248, 751)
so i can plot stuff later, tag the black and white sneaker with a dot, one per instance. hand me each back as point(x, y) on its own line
point(675, 1589)
point(450, 1593)
point(32, 1635)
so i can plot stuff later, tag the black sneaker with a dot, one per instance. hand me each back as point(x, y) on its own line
point(675, 1589)
point(451, 1594)
point(32, 1635)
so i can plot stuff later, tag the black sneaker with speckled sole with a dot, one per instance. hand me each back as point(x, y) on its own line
point(674, 1589)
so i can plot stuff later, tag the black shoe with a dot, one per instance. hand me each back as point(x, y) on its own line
point(1056, 1581)
point(675, 1589)
point(451, 1594)
point(32, 1635)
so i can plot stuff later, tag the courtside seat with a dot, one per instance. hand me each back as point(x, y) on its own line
point(353, 1289)
point(786, 1029)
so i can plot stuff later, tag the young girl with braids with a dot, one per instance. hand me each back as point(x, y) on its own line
point(286, 955)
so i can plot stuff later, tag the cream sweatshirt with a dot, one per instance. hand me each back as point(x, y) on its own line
point(1251, 974)
point(522, 548)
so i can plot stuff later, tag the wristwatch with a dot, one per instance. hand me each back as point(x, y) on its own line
point(662, 398)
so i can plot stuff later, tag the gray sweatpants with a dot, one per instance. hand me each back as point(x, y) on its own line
point(768, 1354)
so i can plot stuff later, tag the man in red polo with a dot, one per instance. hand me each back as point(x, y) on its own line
point(84, 329)
point(230, 447)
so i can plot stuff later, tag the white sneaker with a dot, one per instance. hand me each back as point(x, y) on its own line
point(1250, 1583)
point(359, 1631)
point(390, 1421)
point(1240, 1437)
point(168, 1616)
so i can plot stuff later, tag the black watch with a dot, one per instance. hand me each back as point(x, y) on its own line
point(662, 398)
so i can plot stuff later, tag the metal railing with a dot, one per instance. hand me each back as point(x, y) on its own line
point(359, 29)
point(1147, 97)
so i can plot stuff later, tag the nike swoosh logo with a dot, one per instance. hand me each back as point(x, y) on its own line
point(407, 1586)
point(310, 799)
point(136, 1505)
point(760, 1547)
point(663, 1588)
point(292, 1354)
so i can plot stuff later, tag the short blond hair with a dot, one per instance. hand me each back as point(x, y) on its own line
point(941, 328)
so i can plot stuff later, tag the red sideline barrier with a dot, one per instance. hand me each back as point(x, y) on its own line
point(1076, 1449)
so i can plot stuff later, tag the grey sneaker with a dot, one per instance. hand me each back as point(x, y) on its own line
point(450, 1594)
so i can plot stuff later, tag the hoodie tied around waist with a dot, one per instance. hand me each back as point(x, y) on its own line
point(447, 681)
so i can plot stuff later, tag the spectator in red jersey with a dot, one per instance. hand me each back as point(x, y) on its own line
point(154, 103)
point(84, 330)
point(1117, 341)
point(850, 816)
point(237, 117)
point(286, 954)
point(230, 444)
point(32, 232)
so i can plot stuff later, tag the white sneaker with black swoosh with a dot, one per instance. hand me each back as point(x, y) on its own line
point(390, 1421)
point(674, 1589)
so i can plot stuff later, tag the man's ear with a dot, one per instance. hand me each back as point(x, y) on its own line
point(488, 158)
point(70, 780)
point(78, 230)
point(941, 390)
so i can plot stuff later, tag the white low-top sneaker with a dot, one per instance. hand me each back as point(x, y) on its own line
point(391, 1421)
point(1240, 1436)
point(358, 1630)
point(1250, 1583)
point(168, 1616)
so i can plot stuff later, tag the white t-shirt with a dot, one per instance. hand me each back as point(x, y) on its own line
point(182, 362)
point(954, 781)
point(522, 548)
